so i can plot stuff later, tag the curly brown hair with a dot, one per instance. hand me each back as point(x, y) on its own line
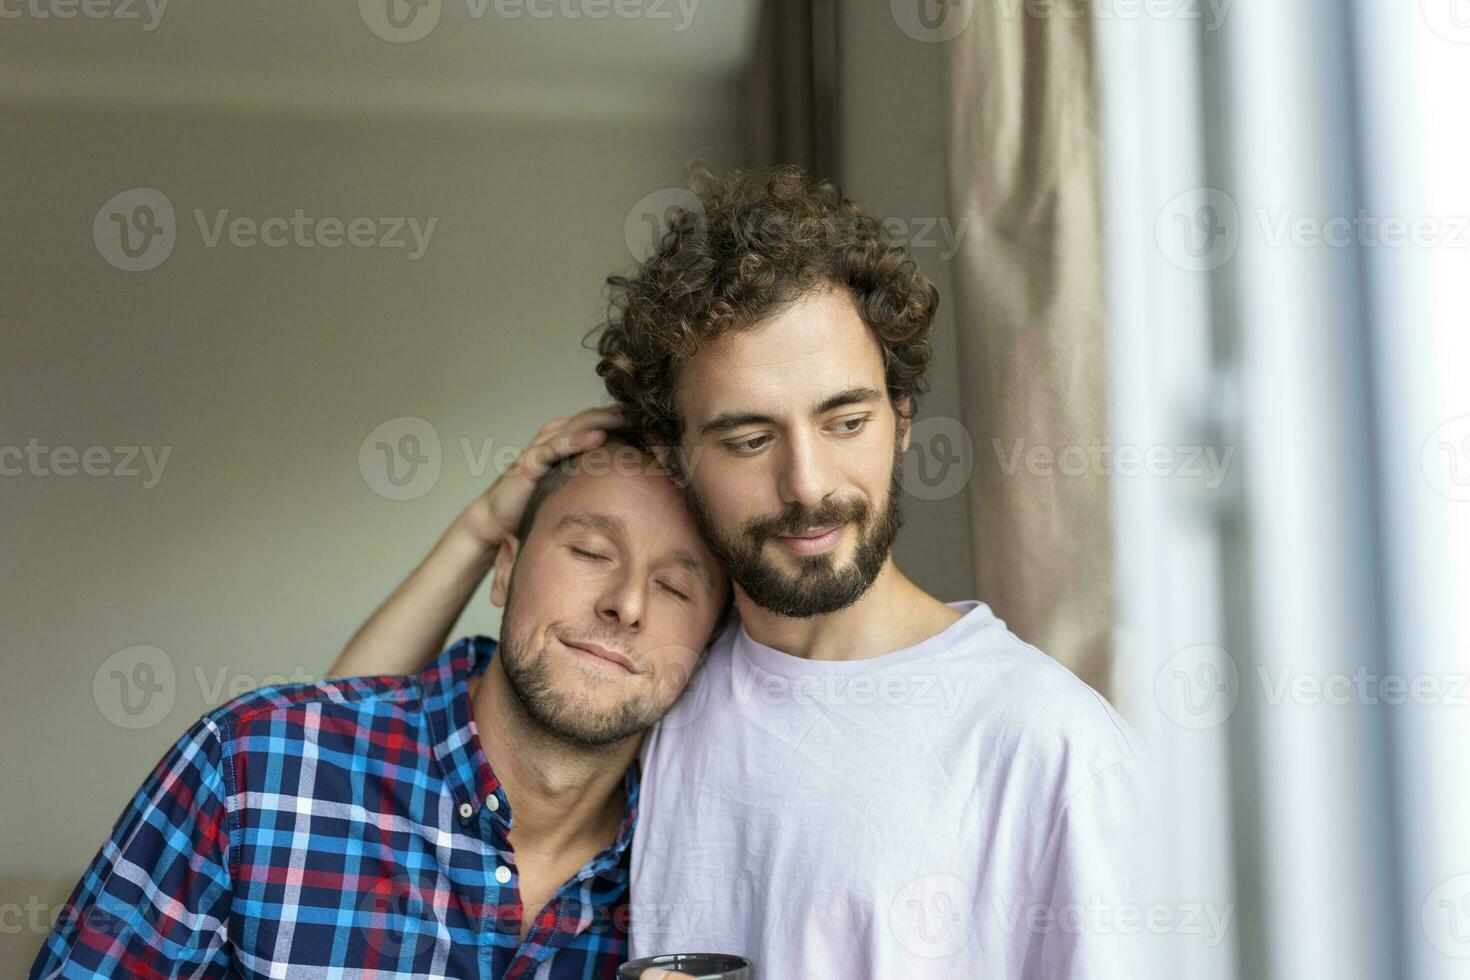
point(759, 241)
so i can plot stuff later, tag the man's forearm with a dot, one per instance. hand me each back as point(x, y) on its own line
point(411, 626)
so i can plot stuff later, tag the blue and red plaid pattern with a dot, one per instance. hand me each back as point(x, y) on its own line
point(345, 829)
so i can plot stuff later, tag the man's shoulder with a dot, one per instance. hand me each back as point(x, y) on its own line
point(289, 703)
point(1033, 704)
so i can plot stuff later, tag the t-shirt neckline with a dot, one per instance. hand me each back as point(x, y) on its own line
point(977, 615)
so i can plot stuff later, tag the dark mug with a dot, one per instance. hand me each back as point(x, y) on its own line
point(702, 966)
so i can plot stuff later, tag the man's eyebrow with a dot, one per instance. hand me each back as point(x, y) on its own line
point(856, 395)
point(591, 522)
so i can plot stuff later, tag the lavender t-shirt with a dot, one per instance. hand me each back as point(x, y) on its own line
point(953, 809)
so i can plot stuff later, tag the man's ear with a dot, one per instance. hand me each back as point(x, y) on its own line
point(505, 563)
point(904, 407)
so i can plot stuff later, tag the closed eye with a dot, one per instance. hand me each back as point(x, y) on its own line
point(673, 592)
point(591, 555)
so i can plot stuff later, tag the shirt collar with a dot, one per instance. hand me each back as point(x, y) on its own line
point(444, 687)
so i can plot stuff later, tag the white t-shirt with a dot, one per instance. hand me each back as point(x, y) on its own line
point(958, 808)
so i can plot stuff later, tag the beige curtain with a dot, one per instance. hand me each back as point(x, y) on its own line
point(1021, 158)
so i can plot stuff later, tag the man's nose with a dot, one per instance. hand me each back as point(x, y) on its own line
point(621, 603)
point(809, 473)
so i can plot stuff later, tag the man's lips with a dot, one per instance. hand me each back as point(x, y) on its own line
point(813, 542)
point(602, 653)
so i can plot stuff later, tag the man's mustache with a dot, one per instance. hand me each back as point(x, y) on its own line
point(799, 520)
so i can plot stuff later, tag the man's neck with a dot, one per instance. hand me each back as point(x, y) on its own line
point(893, 614)
point(562, 797)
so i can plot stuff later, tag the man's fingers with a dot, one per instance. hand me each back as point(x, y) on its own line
point(537, 460)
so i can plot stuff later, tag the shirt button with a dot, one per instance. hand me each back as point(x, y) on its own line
point(466, 811)
point(492, 803)
point(502, 874)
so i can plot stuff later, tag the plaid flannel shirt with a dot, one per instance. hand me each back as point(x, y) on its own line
point(343, 829)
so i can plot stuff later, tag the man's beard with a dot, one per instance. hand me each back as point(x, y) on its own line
point(558, 712)
point(818, 586)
